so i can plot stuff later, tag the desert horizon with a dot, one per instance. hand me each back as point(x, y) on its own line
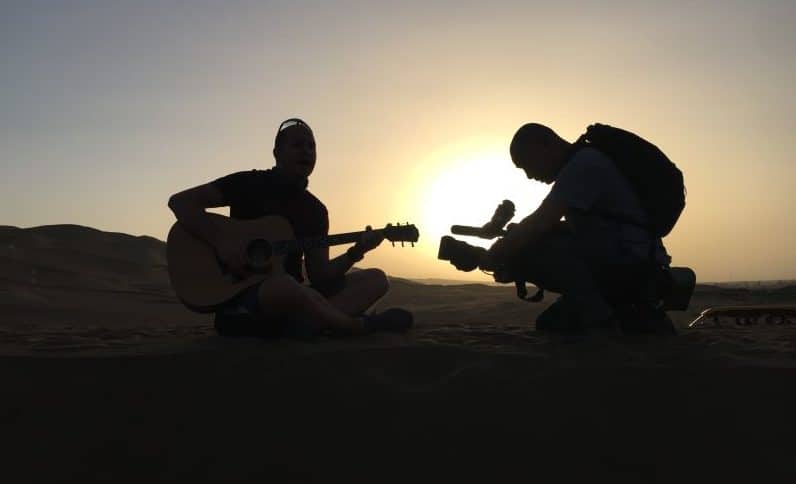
point(77, 285)
point(763, 283)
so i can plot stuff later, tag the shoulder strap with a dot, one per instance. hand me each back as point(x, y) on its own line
point(584, 142)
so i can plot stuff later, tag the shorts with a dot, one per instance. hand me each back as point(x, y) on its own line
point(243, 316)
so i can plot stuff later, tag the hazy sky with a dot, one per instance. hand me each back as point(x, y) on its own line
point(107, 108)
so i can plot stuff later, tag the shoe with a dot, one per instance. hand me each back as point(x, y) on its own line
point(394, 320)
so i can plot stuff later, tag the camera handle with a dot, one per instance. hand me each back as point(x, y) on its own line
point(475, 232)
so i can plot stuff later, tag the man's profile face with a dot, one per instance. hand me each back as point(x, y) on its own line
point(295, 154)
point(536, 162)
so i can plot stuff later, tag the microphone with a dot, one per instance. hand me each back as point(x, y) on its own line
point(494, 228)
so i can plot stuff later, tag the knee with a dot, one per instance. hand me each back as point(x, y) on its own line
point(377, 281)
point(281, 292)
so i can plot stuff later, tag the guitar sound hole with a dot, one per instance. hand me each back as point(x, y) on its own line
point(259, 253)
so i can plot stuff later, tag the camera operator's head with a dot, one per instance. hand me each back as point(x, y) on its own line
point(539, 151)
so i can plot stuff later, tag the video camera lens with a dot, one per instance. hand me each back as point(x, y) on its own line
point(461, 254)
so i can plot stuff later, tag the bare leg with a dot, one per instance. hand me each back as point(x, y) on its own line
point(362, 290)
point(282, 295)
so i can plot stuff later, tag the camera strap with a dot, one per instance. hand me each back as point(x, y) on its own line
point(522, 292)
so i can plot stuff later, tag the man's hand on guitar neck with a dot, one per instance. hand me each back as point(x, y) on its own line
point(370, 239)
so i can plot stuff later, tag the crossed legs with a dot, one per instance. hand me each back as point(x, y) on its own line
point(282, 296)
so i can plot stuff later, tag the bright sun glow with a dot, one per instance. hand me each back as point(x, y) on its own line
point(464, 187)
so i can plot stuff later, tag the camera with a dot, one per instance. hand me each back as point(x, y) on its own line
point(666, 287)
point(466, 257)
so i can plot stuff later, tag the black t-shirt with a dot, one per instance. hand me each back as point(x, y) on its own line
point(257, 193)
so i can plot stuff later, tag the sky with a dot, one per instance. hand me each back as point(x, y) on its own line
point(107, 108)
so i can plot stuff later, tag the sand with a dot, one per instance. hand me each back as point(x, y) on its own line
point(108, 378)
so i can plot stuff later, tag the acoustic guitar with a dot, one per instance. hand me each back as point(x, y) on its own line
point(203, 283)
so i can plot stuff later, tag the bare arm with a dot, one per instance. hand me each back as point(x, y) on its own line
point(530, 229)
point(189, 208)
point(320, 268)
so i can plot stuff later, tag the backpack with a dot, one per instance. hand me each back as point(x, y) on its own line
point(655, 179)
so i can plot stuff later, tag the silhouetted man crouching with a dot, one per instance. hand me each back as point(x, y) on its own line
point(606, 249)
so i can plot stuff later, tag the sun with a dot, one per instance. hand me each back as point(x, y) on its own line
point(465, 188)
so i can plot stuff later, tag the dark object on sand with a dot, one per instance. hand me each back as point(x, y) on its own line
point(745, 315)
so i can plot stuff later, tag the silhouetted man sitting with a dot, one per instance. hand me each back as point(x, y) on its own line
point(602, 250)
point(282, 305)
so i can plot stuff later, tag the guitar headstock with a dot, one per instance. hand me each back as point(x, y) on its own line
point(401, 233)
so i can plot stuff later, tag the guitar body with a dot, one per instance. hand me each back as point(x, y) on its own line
point(203, 284)
point(197, 276)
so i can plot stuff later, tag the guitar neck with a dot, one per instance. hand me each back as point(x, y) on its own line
point(286, 246)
